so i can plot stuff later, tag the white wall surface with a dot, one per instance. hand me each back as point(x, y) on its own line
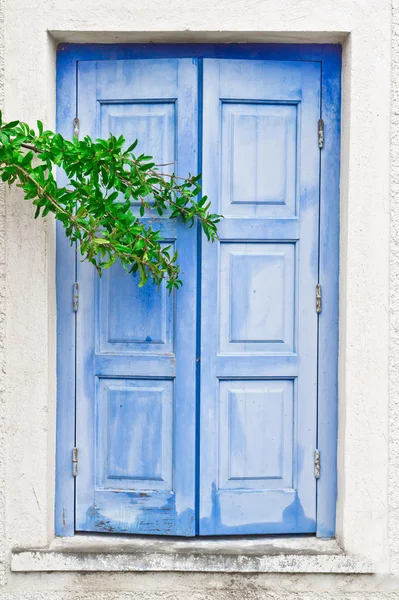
point(368, 505)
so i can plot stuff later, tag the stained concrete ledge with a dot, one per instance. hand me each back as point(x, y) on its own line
point(261, 555)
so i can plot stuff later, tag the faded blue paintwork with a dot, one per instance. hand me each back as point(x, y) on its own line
point(135, 419)
point(135, 376)
point(259, 365)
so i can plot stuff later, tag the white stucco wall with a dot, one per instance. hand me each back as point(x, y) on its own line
point(368, 506)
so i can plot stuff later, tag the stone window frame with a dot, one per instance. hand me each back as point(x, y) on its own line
point(361, 540)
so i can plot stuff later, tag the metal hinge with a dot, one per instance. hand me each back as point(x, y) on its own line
point(75, 296)
point(317, 464)
point(74, 461)
point(320, 131)
point(318, 298)
point(76, 127)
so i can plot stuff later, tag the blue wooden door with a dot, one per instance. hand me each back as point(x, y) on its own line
point(136, 388)
point(258, 318)
point(135, 360)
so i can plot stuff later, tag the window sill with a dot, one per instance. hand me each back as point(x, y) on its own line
point(91, 553)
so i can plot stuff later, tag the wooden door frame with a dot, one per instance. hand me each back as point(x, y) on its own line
point(329, 55)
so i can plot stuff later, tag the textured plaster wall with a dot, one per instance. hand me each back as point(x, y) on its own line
point(368, 508)
point(394, 303)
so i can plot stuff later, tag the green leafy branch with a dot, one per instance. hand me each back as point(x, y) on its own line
point(104, 179)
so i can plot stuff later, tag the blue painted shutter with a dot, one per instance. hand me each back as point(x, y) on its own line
point(258, 322)
point(135, 360)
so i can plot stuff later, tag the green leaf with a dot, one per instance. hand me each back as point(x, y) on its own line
point(113, 196)
point(10, 125)
point(132, 146)
point(28, 158)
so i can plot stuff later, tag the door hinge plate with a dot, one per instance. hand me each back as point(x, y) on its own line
point(75, 297)
point(74, 462)
point(318, 298)
point(320, 132)
point(317, 464)
point(76, 127)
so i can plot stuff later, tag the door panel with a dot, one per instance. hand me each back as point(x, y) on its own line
point(135, 361)
point(258, 318)
point(255, 434)
point(134, 442)
point(258, 139)
point(133, 320)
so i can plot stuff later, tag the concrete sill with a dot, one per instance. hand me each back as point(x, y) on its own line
point(91, 553)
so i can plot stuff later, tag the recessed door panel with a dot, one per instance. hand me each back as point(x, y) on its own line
point(256, 434)
point(257, 297)
point(259, 159)
point(134, 434)
point(132, 319)
point(152, 123)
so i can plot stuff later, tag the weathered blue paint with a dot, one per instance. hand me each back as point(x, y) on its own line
point(199, 276)
point(328, 320)
point(258, 318)
point(64, 514)
point(130, 369)
point(135, 407)
point(69, 54)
